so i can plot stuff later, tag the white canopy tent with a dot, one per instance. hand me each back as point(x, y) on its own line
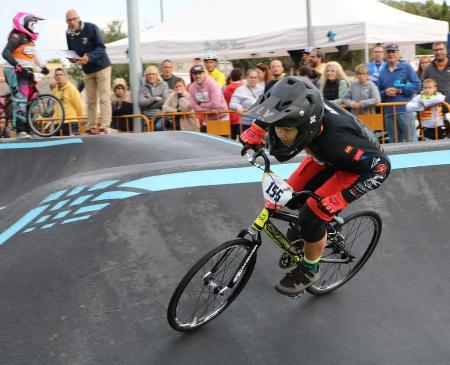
point(249, 28)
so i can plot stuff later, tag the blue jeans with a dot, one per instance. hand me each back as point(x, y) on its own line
point(405, 128)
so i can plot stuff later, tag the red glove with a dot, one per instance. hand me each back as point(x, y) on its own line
point(332, 204)
point(253, 136)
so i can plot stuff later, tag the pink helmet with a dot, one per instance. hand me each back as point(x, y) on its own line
point(24, 23)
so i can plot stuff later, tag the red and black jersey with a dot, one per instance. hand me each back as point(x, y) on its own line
point(345, 145)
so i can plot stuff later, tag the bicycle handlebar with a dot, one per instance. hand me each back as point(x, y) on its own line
point(259, 152)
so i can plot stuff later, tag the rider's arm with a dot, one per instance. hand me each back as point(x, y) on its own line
point(14, 41)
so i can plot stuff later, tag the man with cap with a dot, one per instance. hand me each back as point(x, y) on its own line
point(398, 82)
point(210, 60)
point(205, 94)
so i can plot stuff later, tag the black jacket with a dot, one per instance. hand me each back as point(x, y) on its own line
point(89, 40)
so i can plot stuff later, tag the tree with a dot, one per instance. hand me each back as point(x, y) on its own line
point(113, 31)
point(54, 60)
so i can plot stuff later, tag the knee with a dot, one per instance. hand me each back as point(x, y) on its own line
point(312, 228)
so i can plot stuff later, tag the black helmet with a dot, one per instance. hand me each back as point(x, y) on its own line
point(291, 102)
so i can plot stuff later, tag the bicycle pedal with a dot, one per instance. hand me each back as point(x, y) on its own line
point(285, 261)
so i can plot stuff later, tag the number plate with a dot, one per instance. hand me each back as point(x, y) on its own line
point(277, 192)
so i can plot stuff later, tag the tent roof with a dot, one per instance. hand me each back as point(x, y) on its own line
point(250, 28)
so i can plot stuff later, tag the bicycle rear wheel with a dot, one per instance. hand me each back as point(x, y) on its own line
point(203, 293)
point(45, 115)
point(347, 251)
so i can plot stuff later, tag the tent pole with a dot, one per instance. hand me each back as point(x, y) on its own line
point(366, 45)
point(134, 54)
point(308, 24)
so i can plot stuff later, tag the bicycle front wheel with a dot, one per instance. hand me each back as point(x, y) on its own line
point(204, 292)
point(347, 251)
point(45, 115)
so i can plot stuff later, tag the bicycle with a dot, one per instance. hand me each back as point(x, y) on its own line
point(216, 280)
point(45, 113)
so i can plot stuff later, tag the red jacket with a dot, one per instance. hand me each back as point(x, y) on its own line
point(228, 92)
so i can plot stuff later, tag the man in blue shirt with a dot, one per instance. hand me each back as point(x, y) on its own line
point(86, 40)
point(398, 82)
point(377, 64)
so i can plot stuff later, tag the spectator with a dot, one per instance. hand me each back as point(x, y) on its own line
point(179, 101)
point(317, 58)
point(377, 64)
point(263, 74)
point(363, 93)
point(424, 62)
point(311, 74)
point(86, 40)
point(277, 71)
point(210, 60)
point(245, 96)
point(235, 82)
point(398, 82)
point(306, 58)
point(152, 95)
point(121, 105)
point(333, 83)
point(70, 97)
point(206, 95)
point(439, 69)
point(167, 73)
point(431, 115)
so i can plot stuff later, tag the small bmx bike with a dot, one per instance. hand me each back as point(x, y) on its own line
point(45, 113)
point(216, 280)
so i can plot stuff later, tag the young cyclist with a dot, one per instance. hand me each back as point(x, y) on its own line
point(21, 56)
point(344, 162)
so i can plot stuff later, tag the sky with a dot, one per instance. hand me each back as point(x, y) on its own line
point(101, 12)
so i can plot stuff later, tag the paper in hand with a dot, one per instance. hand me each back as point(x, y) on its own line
point(69, 54)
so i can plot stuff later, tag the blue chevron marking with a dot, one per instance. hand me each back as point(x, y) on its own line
point(59, 205)
point(91, 208)
point(54, 196)
point(62, 214)
point(81, 200)
point(113, 195)
point(71, 220)
point(76, 190)
point(103, 185)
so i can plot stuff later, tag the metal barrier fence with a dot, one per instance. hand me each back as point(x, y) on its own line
point(389, 125)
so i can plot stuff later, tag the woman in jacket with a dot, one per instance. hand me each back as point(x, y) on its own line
point(179, 101)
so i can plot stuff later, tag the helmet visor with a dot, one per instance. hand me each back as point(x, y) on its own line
point(265, 110)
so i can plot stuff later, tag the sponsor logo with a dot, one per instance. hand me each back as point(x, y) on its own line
point(381, 169)
point(374, 182)
point(375, 162)
point(312, 120)
point(84, 40)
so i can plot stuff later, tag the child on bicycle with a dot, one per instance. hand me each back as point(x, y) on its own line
point(21, 56)
point(345, 161)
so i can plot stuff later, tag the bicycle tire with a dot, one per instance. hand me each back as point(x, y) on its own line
point(44, 106)
point(196, 277)
point(332, 277)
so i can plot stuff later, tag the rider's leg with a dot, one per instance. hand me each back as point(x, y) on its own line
point(312, 230)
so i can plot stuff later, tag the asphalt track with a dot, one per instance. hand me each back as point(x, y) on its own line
point(95, 233)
